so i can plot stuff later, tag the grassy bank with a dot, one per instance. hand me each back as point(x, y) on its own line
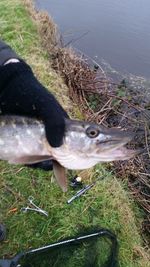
point(107, 205)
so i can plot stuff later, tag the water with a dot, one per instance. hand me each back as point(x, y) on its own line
point(117, 31)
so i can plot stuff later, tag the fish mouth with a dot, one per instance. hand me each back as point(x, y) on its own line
point(119, 153)
point(113, 139)
point(112, 145)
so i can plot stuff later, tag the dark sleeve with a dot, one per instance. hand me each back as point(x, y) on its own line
point(6, 53)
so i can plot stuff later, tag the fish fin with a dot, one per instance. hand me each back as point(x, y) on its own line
point(29, 159)
point(60, 175)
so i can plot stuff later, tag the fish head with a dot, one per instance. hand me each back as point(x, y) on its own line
point(86, 144)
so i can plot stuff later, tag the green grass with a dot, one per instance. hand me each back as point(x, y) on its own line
point(107, 205)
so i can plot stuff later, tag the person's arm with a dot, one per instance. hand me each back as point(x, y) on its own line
point(22, 94)
point(6, 53)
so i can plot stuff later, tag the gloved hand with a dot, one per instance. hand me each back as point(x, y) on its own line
point(22, 94)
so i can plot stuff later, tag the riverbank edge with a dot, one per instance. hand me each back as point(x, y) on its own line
point(123, 101)
point(38, 69)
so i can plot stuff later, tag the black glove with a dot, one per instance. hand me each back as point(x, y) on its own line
point(22, 94)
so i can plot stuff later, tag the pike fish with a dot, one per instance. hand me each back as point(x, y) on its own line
point(23, 141)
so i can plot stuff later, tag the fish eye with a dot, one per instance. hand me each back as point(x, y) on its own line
point(92, 132)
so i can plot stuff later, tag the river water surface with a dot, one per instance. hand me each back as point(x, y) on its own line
point(117, 31)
